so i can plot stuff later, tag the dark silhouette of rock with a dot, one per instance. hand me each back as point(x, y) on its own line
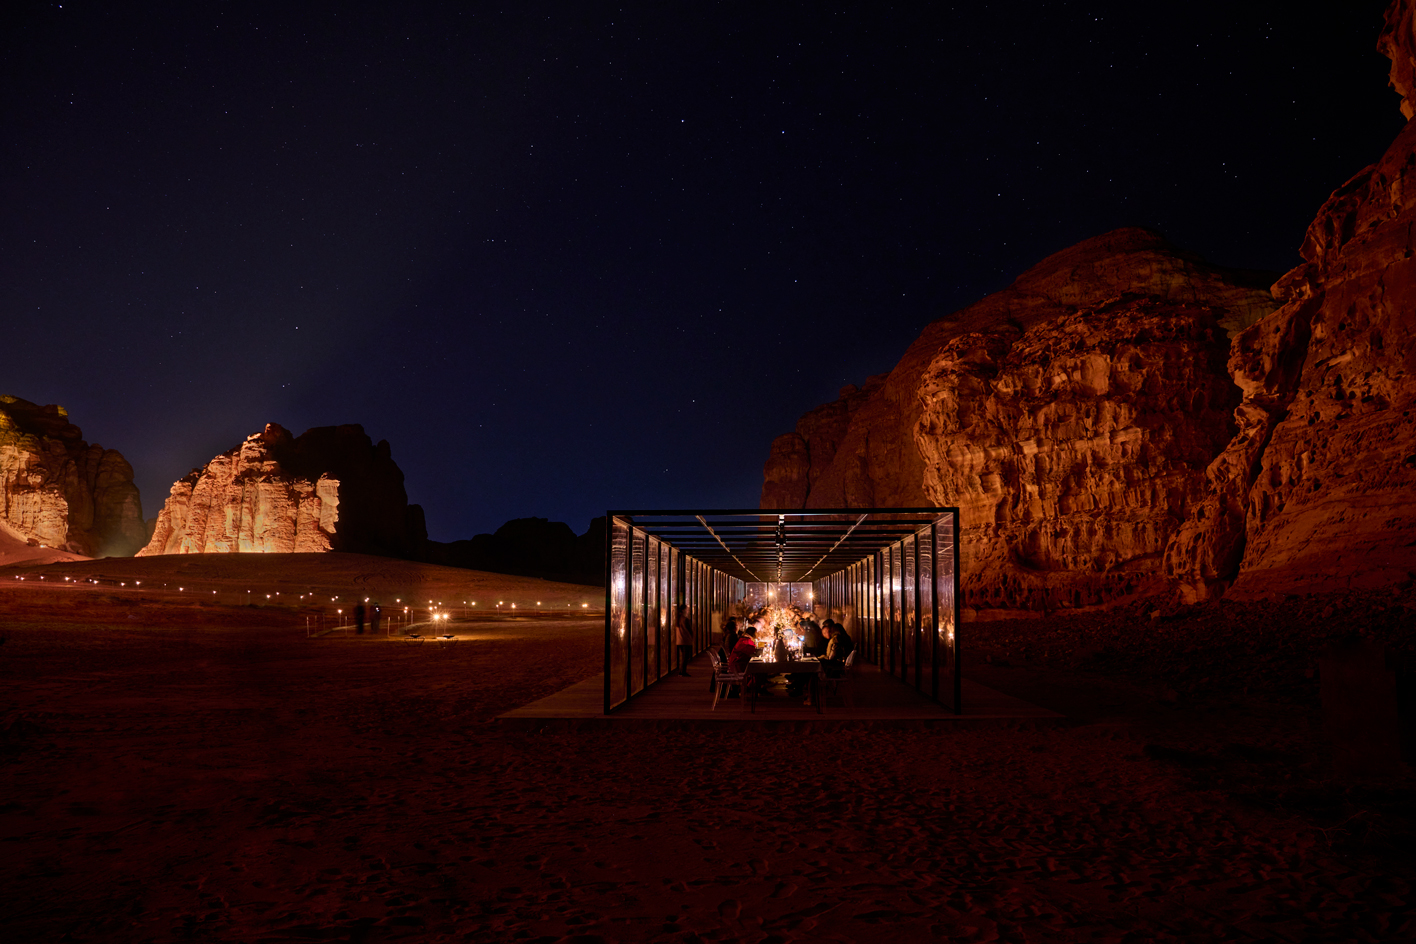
point(534, 547)
point(58, 491)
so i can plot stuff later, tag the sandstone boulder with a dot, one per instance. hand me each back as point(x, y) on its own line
point(329, 489)
point(58, 491)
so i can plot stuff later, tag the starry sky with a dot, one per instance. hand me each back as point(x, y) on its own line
point(571, 256)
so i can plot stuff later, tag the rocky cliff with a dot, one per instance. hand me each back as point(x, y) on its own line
point(1318, 489)
point(329, 489)
point(1126, 419)
point(58, 491)
point(1070, 417)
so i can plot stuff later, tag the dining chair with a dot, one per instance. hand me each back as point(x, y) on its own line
point(722, 678)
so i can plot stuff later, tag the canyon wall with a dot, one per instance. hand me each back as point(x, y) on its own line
point(1126, 420)
point(60, 492)
point(1070, 417)
point(330, 489)
point(1318, 490)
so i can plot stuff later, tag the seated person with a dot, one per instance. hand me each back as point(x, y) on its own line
point(730, 638)
point(812, 642)
point(838, 646)
point(743, 651)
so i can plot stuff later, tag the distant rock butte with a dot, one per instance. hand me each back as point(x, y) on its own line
point(58, 491)
point(329, 489)
point(1127, 420)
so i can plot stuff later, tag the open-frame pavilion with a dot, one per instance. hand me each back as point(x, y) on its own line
point(889, 575)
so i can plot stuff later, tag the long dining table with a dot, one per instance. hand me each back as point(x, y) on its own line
point(808, 665)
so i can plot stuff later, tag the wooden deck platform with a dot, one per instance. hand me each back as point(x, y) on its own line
point(870, 698)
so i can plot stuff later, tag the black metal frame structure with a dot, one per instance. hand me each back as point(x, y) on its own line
point(889, 575)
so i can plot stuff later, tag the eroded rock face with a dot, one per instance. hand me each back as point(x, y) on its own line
point(58, 491)
point(1326, 462)
point(1081, 419)
point(1070, 417)
point(331, 488)
point(799, 459)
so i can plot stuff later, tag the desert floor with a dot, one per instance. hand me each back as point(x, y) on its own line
point(175, 772)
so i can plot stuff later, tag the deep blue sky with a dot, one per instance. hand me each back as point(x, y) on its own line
point(567, 256)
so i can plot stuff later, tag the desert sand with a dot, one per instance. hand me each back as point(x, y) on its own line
point(16, 551)
point(175, 772)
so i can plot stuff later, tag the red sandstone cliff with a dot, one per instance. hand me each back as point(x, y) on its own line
point(1125, 419)
point(1318, 490)
point(1070, 417)
point(329, 489)
point(58, 491)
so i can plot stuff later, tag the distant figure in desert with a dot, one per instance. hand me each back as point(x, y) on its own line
point(683, 637)
point(359, 619)
point(374, 614)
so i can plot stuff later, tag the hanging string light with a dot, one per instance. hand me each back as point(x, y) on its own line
point(781, 544)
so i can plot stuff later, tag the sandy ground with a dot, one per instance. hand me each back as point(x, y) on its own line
point(182, 773)
point(14, 550)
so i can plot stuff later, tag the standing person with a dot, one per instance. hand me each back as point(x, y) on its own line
point(683, 637)
point(374, 614)
point(359, 619)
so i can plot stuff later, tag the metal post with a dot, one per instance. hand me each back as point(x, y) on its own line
point(609, 630)
point(918, 629)
point(629, 615)
point(889, 553)
point(658, 610)
point(934, 605)
point(958, 594)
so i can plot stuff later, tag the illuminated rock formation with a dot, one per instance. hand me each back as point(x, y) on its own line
point(1126, 420)
point(58, 491)
point(1070, 417)
point(329, 489)
point(800, 458)
point(1318, 490)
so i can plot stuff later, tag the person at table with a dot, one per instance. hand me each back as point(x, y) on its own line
point(812, 642)
point(838, 645)
point(730, 637)
point(743, 653)
point(725, 650)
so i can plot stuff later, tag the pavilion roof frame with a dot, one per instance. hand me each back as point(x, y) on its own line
point(890, 573)
point(780, 545)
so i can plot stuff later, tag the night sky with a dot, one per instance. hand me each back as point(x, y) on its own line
point(567, 257)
